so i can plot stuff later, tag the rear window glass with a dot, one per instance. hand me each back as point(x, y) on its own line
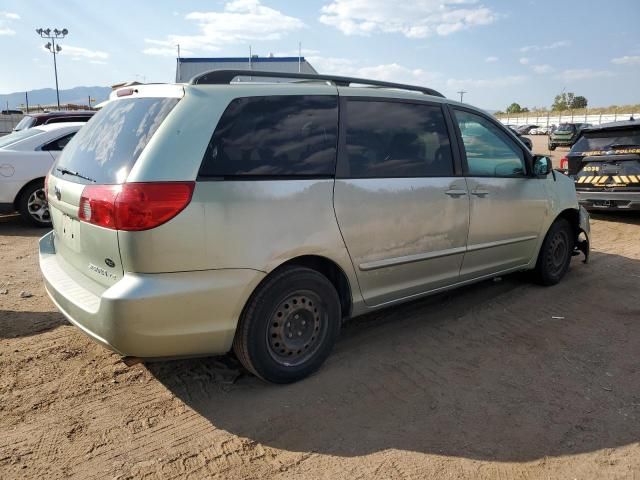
point(566, 128)
point(18, 136)
point(605, 140)
point(26, 122)
point(389, 139)
point(106, 148)
point(282, 135)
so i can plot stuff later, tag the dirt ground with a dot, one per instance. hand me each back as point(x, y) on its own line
point(503, 379)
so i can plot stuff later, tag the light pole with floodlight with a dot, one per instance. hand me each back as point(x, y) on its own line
point(52, 36)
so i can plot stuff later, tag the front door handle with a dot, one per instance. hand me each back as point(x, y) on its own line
point(480, 193)
point(455, 193)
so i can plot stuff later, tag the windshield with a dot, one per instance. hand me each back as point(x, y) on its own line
point(566, 128)
point(18, 136)
point(605, 140)
point(25, 123)
point(106, 149)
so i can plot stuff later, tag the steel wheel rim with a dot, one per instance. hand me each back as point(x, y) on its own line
point(38, 207)
point(559, 251)
point(297, 328)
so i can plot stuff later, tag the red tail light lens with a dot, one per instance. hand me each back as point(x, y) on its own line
point(564, 163)
point(134, 206)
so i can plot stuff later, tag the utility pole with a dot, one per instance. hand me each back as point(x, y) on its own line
point(26, 97)
point(461, 92)
point(52, 36)
point(179, 79)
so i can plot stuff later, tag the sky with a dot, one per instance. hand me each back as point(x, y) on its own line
point(498, 51)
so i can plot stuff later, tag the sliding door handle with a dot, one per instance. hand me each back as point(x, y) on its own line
point(480, 193)
point(456, 193)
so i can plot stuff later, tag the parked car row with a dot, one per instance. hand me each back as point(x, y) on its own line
point(31, 120)
point(25, 158)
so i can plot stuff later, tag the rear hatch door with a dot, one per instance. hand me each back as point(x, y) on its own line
point(609, 171)
point(102, 153)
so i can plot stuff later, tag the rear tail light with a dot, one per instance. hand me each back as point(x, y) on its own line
point(564, 163)
point(134, 206)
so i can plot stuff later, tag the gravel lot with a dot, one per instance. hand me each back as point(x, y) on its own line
point(502, 379)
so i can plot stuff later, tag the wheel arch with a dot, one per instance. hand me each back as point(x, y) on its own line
point(24, 188)
point(572, 215)
point(327, 267)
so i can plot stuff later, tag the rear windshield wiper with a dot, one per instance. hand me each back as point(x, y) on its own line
point(65, 171)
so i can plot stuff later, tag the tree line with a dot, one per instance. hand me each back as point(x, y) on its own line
point(563, 101)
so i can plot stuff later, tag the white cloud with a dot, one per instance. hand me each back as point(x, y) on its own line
point(572, 75)
point(498, 82)
point(239, 22)
point(550, 46)
point(392, 72)
point(626, 60)
point(84, 53)
point(5, 20)
point(416, 19)
point(540, 69)
point(524, 61)
point(165, 51)
point(306, 52)
point(491, 59)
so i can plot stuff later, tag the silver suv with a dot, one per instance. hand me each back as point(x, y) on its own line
point(195, 219)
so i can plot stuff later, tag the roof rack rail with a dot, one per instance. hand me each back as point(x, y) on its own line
point(221, 77)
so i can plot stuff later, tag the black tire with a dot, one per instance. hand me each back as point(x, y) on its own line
point(552, 147)
point(289, 325)
point(555, 254)
point(32, 205)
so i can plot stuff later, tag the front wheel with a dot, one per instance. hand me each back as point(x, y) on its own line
point(555, 254)
point(289, 326)
point(33, 206)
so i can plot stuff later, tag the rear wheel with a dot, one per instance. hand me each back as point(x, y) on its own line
point(551, 147)
point(33, 206)
point(289, 326)
point(555, 254)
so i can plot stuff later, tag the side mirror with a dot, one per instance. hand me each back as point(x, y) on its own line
point(541, 165)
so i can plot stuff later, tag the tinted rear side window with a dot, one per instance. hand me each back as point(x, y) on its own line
point(388, 139)
point(107, 147)
point(286, 135)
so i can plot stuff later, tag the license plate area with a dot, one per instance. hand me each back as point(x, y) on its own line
point(69, 233)
point(602, 203)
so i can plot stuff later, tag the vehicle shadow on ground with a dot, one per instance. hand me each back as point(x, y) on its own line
point(504, 371)
point(13, 226)
point(630, 217)
point(14, 324)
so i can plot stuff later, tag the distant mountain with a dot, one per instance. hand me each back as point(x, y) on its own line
point(47, 96)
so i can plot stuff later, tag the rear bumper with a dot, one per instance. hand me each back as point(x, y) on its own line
point(609, 200)
point(152, 315)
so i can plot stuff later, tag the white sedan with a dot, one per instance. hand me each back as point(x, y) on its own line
point(26, 157)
